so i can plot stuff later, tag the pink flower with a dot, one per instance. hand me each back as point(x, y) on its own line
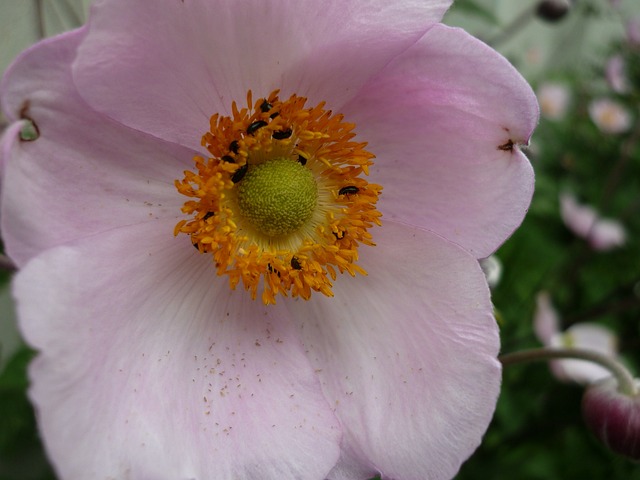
point(601, 233)
point(609, 116)
point(151, 364)
point(585, 335)
point(554, 100)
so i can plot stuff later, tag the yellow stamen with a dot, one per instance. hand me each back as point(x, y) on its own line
point(290, 227)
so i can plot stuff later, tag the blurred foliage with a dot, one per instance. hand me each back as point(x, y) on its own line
point(537, 432)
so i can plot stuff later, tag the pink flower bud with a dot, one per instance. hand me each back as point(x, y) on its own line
point(613, 417)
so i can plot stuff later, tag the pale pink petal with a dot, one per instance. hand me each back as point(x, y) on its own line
point(633, 30)
point(85, 173)
point(616, 72)
point(6, 140)
point(407, 355)
point(607, 234)
point(166, 67)
point(602, 233)
point(444, 120)
point(546, 324)
point(150, 367)
point(590, 336)
point(578, 218)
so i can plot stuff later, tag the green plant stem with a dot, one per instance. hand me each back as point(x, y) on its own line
point(626, 384)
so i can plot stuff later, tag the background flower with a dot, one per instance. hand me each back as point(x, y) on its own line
point(609, 116)
point(554, 100)
point(584, 221)
point(590, 336)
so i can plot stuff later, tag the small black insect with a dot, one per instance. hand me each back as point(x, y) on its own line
point(295, 263)
point(265, 106)
point(255, 126)
point(240, 173)
point(348, 190)
point(282, 134)
point(234, 146)
point(274, 115)
point(228, 159)
point(302, 159)
point(208, 215)
point(272, 270)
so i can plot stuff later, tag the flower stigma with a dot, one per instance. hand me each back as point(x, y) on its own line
point(281, 202)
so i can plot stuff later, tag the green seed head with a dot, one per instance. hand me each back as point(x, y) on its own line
point(278, 196)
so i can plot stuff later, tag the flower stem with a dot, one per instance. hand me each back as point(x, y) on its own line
point(626, 384)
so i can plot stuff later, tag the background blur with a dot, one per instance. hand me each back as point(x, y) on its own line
point(579, 242)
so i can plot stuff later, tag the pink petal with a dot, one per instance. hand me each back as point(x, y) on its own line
point(85, 173)
point(407, 355)
point(440, 118)
point(578, 218)
point(602, 233)
point(6, 140)
point(166, 69)
point(590, 336)
point(150, 367)
point(607, 234)
point(546, 324)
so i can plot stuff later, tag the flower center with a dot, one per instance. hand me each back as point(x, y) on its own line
point(278, 196)
point(281, 202)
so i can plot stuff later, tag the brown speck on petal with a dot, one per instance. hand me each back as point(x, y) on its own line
point(507, 147)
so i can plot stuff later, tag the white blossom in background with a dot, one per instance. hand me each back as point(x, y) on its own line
point(602, 233)
point(609, 116)
point(554, 100)
point(587, 335)
point(492, 268)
